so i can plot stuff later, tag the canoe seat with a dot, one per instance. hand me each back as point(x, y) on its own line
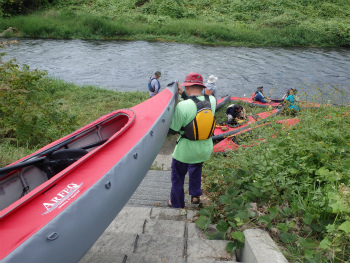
point(61, 159)
point(62, 154)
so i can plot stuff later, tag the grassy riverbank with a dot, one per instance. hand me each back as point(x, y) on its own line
point(223, 22)
point(295, 185)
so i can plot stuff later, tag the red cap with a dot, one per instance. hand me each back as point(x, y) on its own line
point(193, 79)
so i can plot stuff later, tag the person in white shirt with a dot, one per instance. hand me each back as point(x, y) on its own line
point(211, 87)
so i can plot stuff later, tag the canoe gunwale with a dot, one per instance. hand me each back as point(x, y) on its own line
point(225, 99)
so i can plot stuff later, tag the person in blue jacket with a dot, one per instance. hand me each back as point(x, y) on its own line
point(290, 99)
point(259, 95)
point(155, 85)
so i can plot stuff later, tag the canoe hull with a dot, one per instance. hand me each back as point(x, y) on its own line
point(72, 231)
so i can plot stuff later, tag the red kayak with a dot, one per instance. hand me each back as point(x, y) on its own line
point(273, 103)
point(56, 202)
point(224, 130)
point(228, 144)
point(276, 103)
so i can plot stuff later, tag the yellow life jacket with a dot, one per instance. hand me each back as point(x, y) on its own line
point(202, 126)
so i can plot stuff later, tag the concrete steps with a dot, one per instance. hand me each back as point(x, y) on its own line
point(144, 234)
point(148, 231)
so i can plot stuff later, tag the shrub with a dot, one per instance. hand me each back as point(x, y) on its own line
point(28, 115)
point(15, 7)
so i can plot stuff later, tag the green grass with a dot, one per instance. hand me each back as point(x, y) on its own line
point(90, 102)
point(10, 152)
point(296, 186)
point(229, 22)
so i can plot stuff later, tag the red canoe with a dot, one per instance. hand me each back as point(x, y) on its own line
point(276, 103)
point(56, 202)
point(273, 103)
point(224, 130)
point(228, 143)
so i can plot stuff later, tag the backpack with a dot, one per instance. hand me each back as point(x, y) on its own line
point(253, 97)
point(229, 110)
point(150, 88)
point(202, 126)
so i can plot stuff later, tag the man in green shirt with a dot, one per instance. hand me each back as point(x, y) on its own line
point(188, 155)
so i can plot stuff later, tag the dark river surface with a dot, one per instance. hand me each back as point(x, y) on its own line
point(127, 66)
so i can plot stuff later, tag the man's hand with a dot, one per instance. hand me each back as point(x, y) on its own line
point(179, 88)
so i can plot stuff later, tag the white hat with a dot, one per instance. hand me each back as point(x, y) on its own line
point(212, 79)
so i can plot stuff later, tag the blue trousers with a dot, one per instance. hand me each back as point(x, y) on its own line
point(178, 173)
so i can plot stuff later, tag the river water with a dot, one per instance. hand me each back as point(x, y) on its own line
point(127, 66)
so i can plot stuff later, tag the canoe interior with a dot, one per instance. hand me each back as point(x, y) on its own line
point(17, 181)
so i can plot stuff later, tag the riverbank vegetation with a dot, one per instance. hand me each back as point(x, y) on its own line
point(294, 184)
point(217, 22)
